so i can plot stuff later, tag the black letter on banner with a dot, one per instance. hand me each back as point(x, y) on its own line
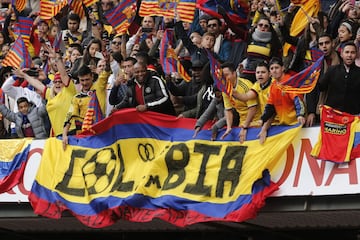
point(153, 180)
point(176, 167)
point(236, 153)
point(100, 171)
point(63, 186)
point(199, 188)
point(119, 185)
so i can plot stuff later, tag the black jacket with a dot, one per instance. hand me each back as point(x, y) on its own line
point(155, 95)
point(343, 88)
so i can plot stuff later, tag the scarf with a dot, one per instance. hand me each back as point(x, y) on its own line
point(260, 36)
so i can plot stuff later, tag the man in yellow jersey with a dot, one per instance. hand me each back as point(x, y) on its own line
point(240, 85)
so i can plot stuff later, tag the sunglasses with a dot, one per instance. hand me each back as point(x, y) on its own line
point(116, 43)
point(212, 25)
point(263, 25)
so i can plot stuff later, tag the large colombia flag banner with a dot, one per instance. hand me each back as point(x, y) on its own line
point(140, 166)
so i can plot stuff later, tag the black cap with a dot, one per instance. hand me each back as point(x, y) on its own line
point(197, 64)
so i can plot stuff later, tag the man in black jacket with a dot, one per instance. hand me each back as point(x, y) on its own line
point(146, 92)
point(342, 82)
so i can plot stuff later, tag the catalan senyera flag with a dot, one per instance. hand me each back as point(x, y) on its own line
point(236, 10)
point(168, 59)
point(93, 113)
point(140, 166)
point(19, 5)
point(18, 55)
point(185, 9)
point(50, 8)
point(89, 3)
point(339, 136)
point(23, 27)
point(78, 7)
point(308, 8)
point(122, 16)
point(304, 81)
point(219, 79)
point(13, 160)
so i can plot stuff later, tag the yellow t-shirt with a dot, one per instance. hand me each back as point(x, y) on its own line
point(80, 101)
point(262, 97)
point(58, 106)
point(243, 85)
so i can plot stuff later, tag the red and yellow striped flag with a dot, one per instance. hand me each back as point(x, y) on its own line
point(77, 7)
point(89, 3)
point(50, 8)
point(185, 9)
point(19, 5)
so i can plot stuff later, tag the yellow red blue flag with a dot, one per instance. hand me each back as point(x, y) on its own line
point(140, 166)
point(13, 159)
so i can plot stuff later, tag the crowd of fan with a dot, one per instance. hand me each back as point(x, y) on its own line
point(124, 70)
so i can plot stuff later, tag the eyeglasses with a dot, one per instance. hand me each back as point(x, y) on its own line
point(116, 43)
point(212, 25)
point(263, 25)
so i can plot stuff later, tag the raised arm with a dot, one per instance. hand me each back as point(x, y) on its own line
point(59, 63)
point(38, 85)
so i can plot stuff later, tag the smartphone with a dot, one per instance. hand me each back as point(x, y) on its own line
point(33, 72)
point(99, 55)
point(147, 30)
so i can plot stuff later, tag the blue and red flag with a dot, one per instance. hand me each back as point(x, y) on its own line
point(304, 81)
point(58, 43)
point(236, 10)
point(12, 163)
point(23, 27)
point(220, 80)
point(18, 55)
point(122, 16)
point(316, 53)
point(185, 9)
point(168, 58)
